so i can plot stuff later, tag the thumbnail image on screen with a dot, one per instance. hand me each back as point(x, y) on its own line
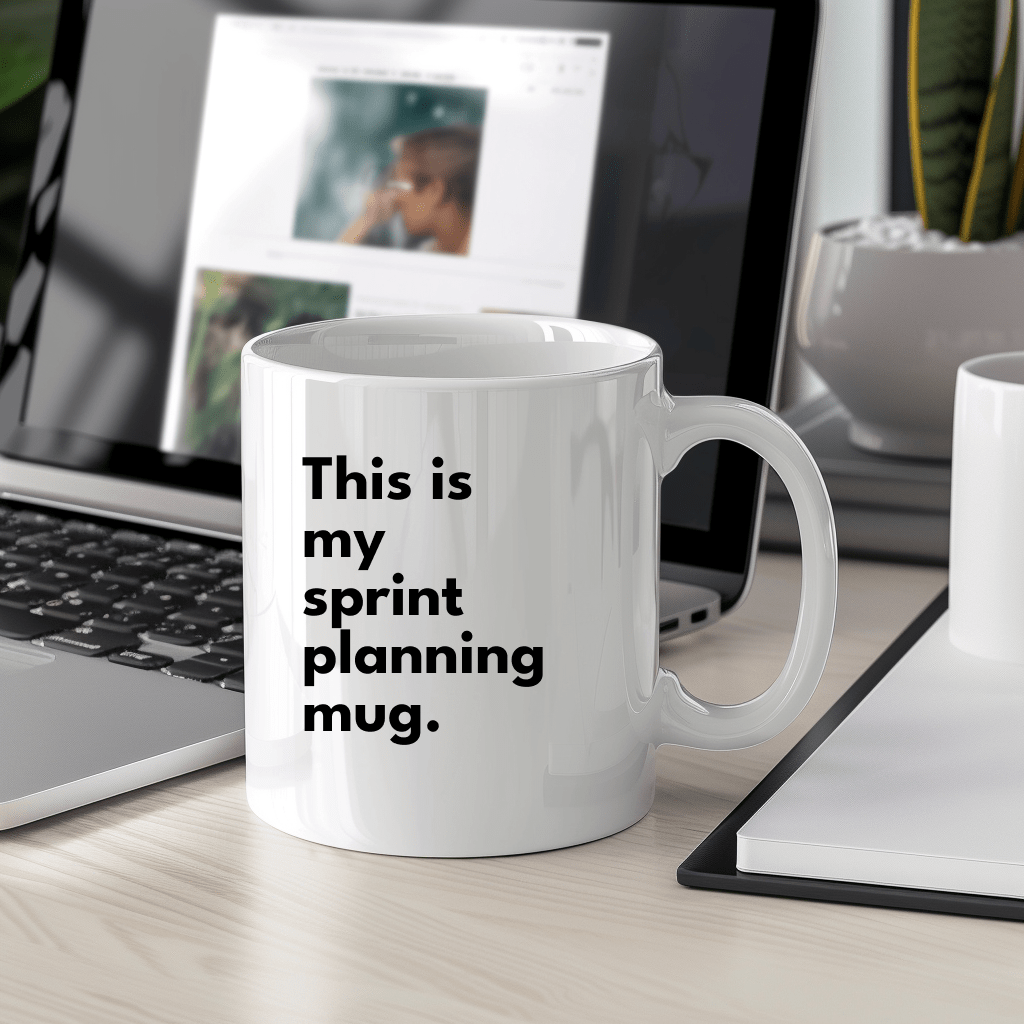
point(391, 165)
point(227, 310)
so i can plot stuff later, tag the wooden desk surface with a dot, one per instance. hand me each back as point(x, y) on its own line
point(176, 904)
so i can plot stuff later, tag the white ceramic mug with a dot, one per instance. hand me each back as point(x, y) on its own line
point(986, 528)
point(473, 670)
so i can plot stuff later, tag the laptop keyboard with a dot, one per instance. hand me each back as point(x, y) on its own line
point(150, 599)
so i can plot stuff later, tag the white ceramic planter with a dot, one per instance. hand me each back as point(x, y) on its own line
point(888, 328)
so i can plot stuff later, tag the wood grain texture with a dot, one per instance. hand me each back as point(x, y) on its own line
point(176, 904)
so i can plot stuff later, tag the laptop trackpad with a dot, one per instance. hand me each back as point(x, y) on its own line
point(19, 657)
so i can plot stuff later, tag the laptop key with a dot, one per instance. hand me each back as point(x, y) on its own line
point(179, 587)
point(134, 540)
point(88, 641)
point(129, 575)
point(44, 547)
point(230, 643)
point(83, 562)
point(94, 548)
point(189, 547)
point(54, 540)
point(234, 681)
point(152, 604)
point(83, 531)
point(229, 556)
point(201, 572)
point(227, 596)
point(70, 610)
point(102, 592)
point(16, 624)
point(167, 560)
point(21, 598)
point(139, 659)
point(127, 620)
point(196, 668)
point(11, 559)
point(208, 614)
point(232, 659)
point(52, 581)
point(182, 634)
point(38, 520)
point(11, 532)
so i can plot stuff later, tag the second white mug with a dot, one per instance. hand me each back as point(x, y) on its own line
point(986, 542)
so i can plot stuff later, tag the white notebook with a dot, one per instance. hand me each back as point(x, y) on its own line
point(922, 785)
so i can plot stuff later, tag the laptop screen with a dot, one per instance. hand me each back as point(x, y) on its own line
point(359, 168)
point(237, 167)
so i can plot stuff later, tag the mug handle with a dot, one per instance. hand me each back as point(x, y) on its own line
point(676, 715)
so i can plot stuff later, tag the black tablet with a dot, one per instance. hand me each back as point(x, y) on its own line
point(712, 865)
point(209, 170)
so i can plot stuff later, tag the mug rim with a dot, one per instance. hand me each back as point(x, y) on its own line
point(651, 353)
point(976, 368)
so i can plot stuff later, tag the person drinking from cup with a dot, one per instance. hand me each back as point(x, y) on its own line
point(431, 186)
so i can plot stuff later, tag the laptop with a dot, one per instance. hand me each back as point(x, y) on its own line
point(209, 170)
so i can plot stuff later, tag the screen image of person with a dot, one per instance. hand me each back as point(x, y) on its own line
point(354, 160)
point(391, 165)
point(430, 187)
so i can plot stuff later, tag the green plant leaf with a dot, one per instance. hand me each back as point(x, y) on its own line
point(984, 215)
point(950, 70)
point(1016, 191)
point(1013, 203)
point(26, 38)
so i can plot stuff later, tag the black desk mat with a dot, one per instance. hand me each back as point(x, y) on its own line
point(712, 865)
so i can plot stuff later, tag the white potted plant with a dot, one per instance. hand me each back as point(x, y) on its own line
point(890, 306)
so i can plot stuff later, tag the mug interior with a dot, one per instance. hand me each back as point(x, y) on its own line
point(1003, 367)
point(485, 345)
